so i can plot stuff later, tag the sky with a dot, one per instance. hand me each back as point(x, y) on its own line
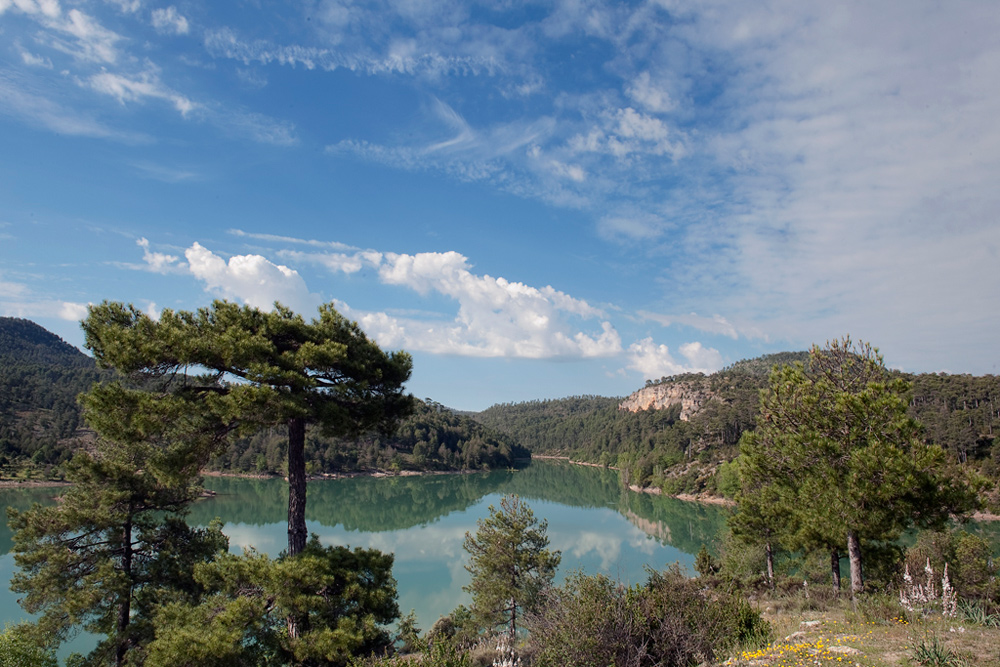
point(535, 199)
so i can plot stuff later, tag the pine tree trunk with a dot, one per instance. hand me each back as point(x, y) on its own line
point(854, 554)
point(769, 552)
point(835, 572)
point(296, 486)
point(125, 602)
point(296, 504)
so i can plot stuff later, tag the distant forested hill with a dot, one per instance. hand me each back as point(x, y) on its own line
point(40, 377)
point(683, 447)
point(679, 433)
point(40, 423)
point(433, 438)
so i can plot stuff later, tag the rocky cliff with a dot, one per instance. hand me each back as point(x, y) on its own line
point(691, 395)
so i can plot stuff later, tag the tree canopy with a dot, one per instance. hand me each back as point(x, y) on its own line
point(510, 564)
point(252, 369)
point(836, 458)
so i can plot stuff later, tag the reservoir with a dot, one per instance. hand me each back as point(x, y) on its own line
point(598, 525)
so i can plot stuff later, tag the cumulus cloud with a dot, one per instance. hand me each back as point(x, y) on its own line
point(73, 312)
point(655, 361)
point(496, 317)
point(169, 20)
point(252, 279)
point(158, 262)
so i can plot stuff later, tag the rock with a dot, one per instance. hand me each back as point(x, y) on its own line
point(692, 396)
point(845, 650)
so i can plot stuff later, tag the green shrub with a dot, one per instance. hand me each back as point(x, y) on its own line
point(880, 608)
point(17, 649)
point(971, 566)
point(932, 653)
point(593, 621)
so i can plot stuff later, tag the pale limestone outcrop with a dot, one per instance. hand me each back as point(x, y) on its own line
point(690, 395)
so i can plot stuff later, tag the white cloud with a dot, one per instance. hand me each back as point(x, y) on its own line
point(169, 20)
point(252, 279)
point(260, 128)
point(277, 238)
point(716, 324)
point(158, 262)
point(20, 102)
point(655, 361)
point(398, 59)
point(35, 60)
point(64, 310)
point(145, 85)
point(655, 99)
point(628, 132)
point(10, 290)
point(126, 6)
point(48, 8)
point(73, 312)
point(93, 42)
point(495, 318)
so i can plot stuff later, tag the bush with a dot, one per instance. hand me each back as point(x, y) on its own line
point(18, 650)
point(593, 621)
point(880, 608)
point(971, 566)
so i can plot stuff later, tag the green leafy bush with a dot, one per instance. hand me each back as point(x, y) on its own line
point(18, 650)
point(593, 621)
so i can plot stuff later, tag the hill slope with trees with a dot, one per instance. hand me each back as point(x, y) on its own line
point(693, 453)
point(40, 378)
point(41, 425)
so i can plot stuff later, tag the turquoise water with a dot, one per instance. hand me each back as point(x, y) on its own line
point(596, 524)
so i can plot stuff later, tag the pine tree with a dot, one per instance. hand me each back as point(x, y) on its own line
point(510, 564)
point(255, 370)
point(842, 460)
point(113, 548)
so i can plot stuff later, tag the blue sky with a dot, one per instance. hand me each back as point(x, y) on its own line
point(536, 199)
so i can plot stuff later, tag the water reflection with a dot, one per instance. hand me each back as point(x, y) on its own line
point(598, 525)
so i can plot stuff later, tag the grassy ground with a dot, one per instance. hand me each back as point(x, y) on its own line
point(839, 635)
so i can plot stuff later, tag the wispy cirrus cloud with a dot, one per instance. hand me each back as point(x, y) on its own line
point(227, 43)
point(145, 85)
point(31, 104)
point(19, 300)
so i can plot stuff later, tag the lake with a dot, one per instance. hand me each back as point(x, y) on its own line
point(596, 524)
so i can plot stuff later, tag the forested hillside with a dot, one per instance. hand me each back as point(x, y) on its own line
point(433, 438)
point(40, 378)
point(657, 448)
point(41, 425)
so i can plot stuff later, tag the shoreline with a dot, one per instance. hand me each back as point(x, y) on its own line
point(31, 483)
point(651, 490)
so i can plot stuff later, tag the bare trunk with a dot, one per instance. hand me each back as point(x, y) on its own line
point(296, 504)
point(769, 552)
point(513, 622)
point(296, 486)
point(125, 602)
point(854, 554)
point(835, 572)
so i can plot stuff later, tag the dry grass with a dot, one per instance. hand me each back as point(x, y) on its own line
point(840, 636)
